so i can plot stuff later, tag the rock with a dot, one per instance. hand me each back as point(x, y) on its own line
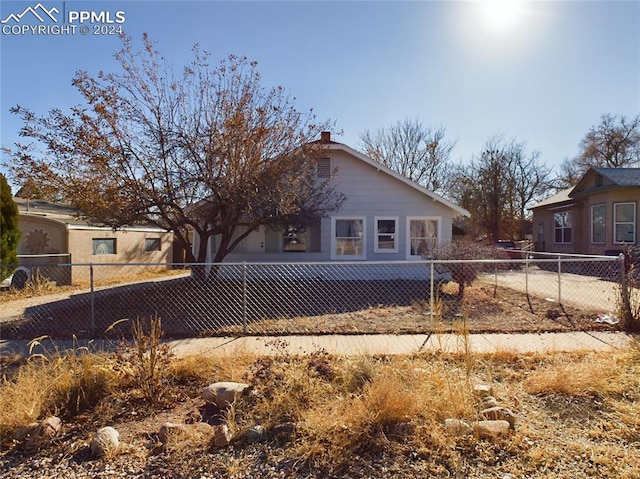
point(489, 402)
point(482, 390)
point(221, 435)
point(500, 413)
point(105, 442)
point(552, 314)
point(169, 430)
point(457, 427)
point(43, 433)
point(284, 430)
point(491, 429)
point(223, 394)
point(255, 433)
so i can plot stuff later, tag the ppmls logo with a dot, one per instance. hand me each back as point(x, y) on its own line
point(39, 11)
point(40, 20)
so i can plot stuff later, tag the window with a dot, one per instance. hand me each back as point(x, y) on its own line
point(295, 240)
point(324, 167)
point(386, 239)
point(562, 225)
point(152, 244)
point(423, 235)
point(597, 224)
point(348, 238)
point(103, 246)
point(624, 222)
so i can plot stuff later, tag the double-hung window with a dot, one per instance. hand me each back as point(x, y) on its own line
point(422, 236)
point(348, 238)
point(624, 222)
point(386, 234)
point(563, 227)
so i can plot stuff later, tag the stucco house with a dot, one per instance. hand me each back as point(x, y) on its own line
point(54, 234)
point(386, 217)
point(597, 216)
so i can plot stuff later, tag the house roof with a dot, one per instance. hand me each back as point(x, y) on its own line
point(332, 145)
point(67, 215)
point(560, 197)
point(619, 177)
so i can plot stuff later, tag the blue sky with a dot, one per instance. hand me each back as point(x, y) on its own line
point(543, 75)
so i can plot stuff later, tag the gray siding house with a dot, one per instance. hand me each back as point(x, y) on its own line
point(385, 217)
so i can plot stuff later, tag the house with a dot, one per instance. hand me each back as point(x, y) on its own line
point(54, 234)
point(597, 216)
point(386, 217)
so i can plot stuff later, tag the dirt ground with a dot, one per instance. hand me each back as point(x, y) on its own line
point(481, 311)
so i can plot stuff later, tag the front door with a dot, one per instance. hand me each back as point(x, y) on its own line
point(254, 243)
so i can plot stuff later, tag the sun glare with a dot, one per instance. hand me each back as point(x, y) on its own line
point(501, 15)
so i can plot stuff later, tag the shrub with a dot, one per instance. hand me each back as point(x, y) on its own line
point(9, 232)
point(147, 362)
point(462, 273)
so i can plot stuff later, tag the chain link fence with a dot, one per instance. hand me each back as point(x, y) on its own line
point(514, 295)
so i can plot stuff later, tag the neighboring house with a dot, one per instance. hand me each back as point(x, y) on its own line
point(597, 216)
point(386, 217)
point(53, 234)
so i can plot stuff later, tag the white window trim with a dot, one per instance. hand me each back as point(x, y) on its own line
point(605, 223)
point(437, 219)
point(621, 222)
point(335, 256)
point(376, 234)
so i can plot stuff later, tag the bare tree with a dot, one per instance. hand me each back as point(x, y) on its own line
point(209, 150)
point(499, 185)
point(420, 153)
point(614, 143)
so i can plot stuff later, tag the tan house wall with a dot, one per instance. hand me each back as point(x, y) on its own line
point(581, 209)
point(545, 217)
point(130, 248)
point(46, 236)
point(41, 235)
point(608, 198)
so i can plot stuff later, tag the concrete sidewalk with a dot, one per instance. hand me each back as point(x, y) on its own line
point(357, 344)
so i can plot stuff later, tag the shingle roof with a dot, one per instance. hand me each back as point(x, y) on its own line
point(621, 176)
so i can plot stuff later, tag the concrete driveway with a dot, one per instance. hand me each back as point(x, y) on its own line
point(581, 291)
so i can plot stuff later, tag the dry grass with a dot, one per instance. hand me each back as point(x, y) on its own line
point(578, 413)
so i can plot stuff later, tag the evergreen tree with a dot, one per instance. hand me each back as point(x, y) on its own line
point(9, 232)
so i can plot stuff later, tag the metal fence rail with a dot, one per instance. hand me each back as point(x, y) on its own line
point(314, 298)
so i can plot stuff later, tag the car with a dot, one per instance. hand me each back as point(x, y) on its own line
point(505, 244)
point(507, 249)
point(17, 279)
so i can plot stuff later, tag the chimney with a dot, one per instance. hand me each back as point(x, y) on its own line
point(325, 137)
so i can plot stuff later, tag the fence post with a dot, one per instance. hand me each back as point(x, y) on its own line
point(431, 300)
point(93, 305)
point(559, 279)
point(625, 297)
point(526, 274)
point(244, 297)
